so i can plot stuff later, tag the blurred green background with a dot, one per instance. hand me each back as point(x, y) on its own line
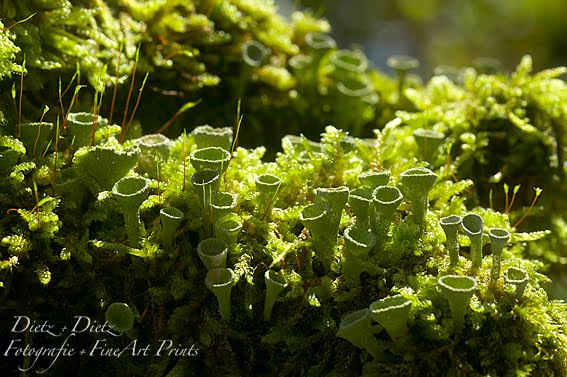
point(447, 32)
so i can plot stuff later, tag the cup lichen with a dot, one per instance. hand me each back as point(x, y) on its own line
point(418, 182)
point(451, 225)
point(392, 314)
point(220, 281)
point(458, 290)
point(130, 193)
point(473, 225)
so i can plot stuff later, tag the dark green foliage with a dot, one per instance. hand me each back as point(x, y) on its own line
point(64, 250)
point(64, 243)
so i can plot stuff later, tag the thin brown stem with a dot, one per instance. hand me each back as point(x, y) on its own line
point(55, 157)
point(506, 192)
point(115, 84)
point(158, 180)
point(39, 130)
point(130, 90)
point(20, 99)
point(181, 110)
point(123, 135)
point(516, 189)
point(538, 192)
point(18, 22)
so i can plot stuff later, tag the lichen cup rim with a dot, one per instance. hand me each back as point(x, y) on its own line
point(394, 195)
point(210, 130)
point(225, 275)
point(267, 182)
point(353, 235)
point(141, 184)
point(320, 41)
point(212, 247)
point(209, 176)
point(361, 194)
point(320, 208)
point(428, 134)
point(153, 140)
point(300, 61)
point(373, 179)
point(276, 277)
point(218, 202)
point(208, 136)
point(519, 276)
point(466, 283)
point(451, 220)
point(254, 46)
point(473, 229)
point(392, 313)
point(402, 62)
point(385, 303)
point(499, 234)
point(349, 60)
point(210, 158)
point(85, 118)
point(365, 88)
point(407, 177)
point(331, 190)
point(172, 213)
point(231, 225)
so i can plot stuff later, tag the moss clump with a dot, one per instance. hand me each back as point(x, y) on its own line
point(284, 216)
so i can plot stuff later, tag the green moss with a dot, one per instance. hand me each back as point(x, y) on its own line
point(63, 226)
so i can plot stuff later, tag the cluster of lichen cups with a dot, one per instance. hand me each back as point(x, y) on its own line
point(338, 78)
point(102, 168)
point(373, 205)
point(472, 225)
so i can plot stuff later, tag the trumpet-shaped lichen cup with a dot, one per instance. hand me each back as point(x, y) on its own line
point(220, 281)
point(267, 185)
point(428, 142)
point(372, 179)
point(392, 313)
point(222, 204)
point(213, 252)
point(498, 239)
point(348, 63)
point(358, 243)
point(99, 168)
point(275, 284)
point(206, 183)
point(418, 182)
point(336, 198)
point(228, 229)
point(360, 201)
point(473, 225)
point(315, 217)
point(451, 225)
point(170, 219)
point(385, 201)
point(207, 136)
point(210, 158)
point(458, 290)
point(82, 126)
point(356, 327)
point(130, 193)
point(519, 278)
